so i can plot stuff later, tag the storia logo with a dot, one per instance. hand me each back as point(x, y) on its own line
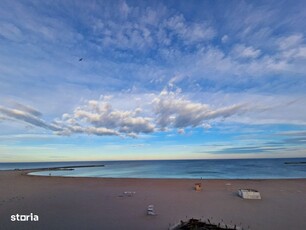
point(19, 217)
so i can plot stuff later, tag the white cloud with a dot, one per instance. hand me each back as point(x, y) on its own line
point(269, 109)
point(173, 111)
point(242, 51)
point(181, 131)
point(10, 32)
point(75, 129)
point(27, 117)
point(190, 32)
point(291, 41)
point(26, 109)
point(294, 133)
point(100, 118)
point(301, 52)
point(206, 126)
point(163, 112)
point(224, 39)
point(292, 47)
point(124, 8)
point(154, 29)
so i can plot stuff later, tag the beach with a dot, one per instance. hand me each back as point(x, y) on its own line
point(99, 203)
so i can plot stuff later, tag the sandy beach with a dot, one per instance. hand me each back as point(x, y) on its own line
point(96, 203)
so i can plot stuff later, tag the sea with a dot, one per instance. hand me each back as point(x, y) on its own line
point(179, 169)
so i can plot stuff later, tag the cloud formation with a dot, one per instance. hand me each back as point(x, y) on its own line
point(248, 149)
point(165, 111)
point(293, 133)
point(173, 111)
point(27, 117)
point(100, 118)
point(150, 42)
point(241, 51)
point(26, 109)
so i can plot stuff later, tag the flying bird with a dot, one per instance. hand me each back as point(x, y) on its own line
point(81, 59)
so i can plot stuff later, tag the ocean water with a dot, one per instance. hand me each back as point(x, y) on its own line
point(206, 169)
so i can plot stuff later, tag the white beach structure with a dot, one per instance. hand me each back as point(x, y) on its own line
point(150, 210)
point(129, 194)
point(249, 194)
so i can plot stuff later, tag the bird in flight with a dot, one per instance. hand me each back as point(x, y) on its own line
point(81, 59)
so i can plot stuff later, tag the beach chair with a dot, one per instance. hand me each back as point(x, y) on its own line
point(150, 210)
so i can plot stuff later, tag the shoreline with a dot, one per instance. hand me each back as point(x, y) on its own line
point(145, 178)
point(178, 179)
point(98, 203)
point(72, 167)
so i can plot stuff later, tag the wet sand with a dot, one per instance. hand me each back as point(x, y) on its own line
point(96, 203)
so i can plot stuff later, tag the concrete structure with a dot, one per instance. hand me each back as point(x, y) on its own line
point(249, 194)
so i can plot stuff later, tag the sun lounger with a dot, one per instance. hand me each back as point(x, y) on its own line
point(150, 210)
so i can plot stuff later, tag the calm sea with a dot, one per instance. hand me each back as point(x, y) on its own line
point(209, 169)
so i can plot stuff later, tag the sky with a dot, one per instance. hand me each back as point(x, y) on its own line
point(141, 80)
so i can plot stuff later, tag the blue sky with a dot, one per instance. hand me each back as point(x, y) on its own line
point(157, 80)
